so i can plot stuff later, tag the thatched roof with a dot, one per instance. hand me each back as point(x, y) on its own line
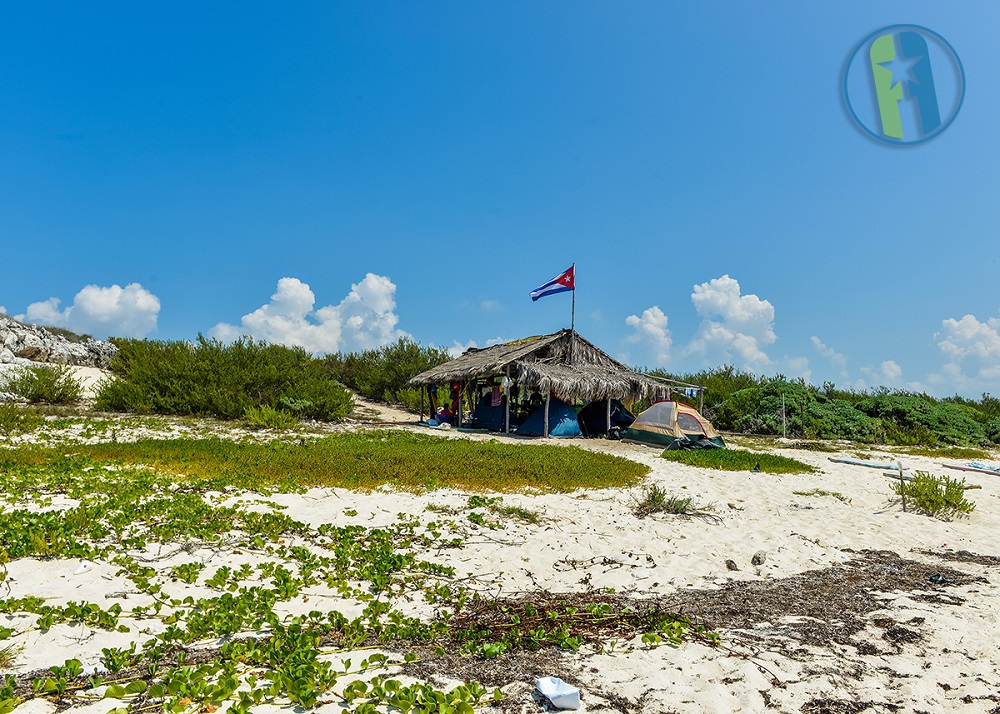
point(543, 362)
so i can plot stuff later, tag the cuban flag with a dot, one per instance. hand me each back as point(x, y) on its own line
point(559, 284)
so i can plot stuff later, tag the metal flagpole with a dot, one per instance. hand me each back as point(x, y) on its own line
point(572, 317)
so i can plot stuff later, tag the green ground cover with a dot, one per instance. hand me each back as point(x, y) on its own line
point(231, 647)
point(362, 460)
point(736, 460)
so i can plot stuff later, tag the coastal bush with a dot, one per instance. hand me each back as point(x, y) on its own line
point(266, 417)
point(211, 378)
point(45, 383)
point(917, 419)
point(937, 496)
point(382, 374)
point(736, 460)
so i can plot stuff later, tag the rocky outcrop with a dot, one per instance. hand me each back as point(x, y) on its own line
point(19, 342)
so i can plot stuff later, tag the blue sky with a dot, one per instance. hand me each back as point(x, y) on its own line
point(338, 174)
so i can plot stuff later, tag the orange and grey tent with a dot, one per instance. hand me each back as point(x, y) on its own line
point(665, 423)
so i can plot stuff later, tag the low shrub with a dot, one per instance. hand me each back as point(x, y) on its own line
point(211, 378)
point(937, 496)
point(267, 418)
point(382, 374)
point(45, 383)
point(736, 460)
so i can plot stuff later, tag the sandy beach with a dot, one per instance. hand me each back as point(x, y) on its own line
point(853, 605)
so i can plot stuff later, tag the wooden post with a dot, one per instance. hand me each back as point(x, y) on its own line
point(461, 394)
point(506, 405)
point(548, 398)
point(423, 388)
point(608, 426)
point(902, 485)
point(701, 400)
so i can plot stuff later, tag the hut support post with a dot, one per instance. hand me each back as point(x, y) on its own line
point(423, 388)
point(506, 406)
point(461, 394)
point(545, 432)
point(608, 424)
point(701, 400)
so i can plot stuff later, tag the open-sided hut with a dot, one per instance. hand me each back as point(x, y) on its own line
point(563, 364)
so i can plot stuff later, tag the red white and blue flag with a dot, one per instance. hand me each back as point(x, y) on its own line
point(559, 284)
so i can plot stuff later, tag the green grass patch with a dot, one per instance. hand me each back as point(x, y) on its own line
point(735, 460)
point(363, 460)
point(946, 452)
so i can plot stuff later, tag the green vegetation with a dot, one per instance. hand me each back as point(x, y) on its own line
point(195, 496)
point(267, 418)
point(209, 378)
point(735, 460)
point(820, 492)
point(945, 452)
point(740, 401)
point(656, 500)
point(363, 460)
point(15, 419)
point(45, 383)
point(381, 374)
point(937, 496)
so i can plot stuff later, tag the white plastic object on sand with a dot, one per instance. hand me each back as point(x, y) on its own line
point(562, 695)
point(83, 568)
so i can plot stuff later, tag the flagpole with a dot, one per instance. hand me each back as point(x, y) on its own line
point(572, 318)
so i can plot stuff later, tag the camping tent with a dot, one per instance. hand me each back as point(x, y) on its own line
point(594, 417)
point(489, 416)
point(562, 421)
point(666, 423)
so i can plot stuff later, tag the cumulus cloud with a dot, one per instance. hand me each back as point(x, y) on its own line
point(364, 319)
point(457, 348)
point(131, 311)
point(650, 330)
point(735, 327)
point(972, 353)
point(890, 374)
point(3, 310)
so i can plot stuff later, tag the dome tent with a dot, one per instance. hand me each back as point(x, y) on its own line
point(667, 423)
point(562, 421)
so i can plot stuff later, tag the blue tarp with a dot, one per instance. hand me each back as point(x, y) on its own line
point(562, 421)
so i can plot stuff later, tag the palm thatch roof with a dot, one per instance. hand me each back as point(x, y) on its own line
point(543, 362)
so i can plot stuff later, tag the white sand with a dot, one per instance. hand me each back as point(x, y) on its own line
point(593, 539)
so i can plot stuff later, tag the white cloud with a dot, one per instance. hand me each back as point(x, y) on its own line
point(457, 348)
point(797, 367)
point(365, 319)
point(489, 305)
point(890, 374)
point(972, 352)
point(651, 330)
point(735, 327)
point(3, 310)
point(838, 360)
point(131, 311)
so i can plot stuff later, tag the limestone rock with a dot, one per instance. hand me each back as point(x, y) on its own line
point(759, 557)
point(30, 342)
